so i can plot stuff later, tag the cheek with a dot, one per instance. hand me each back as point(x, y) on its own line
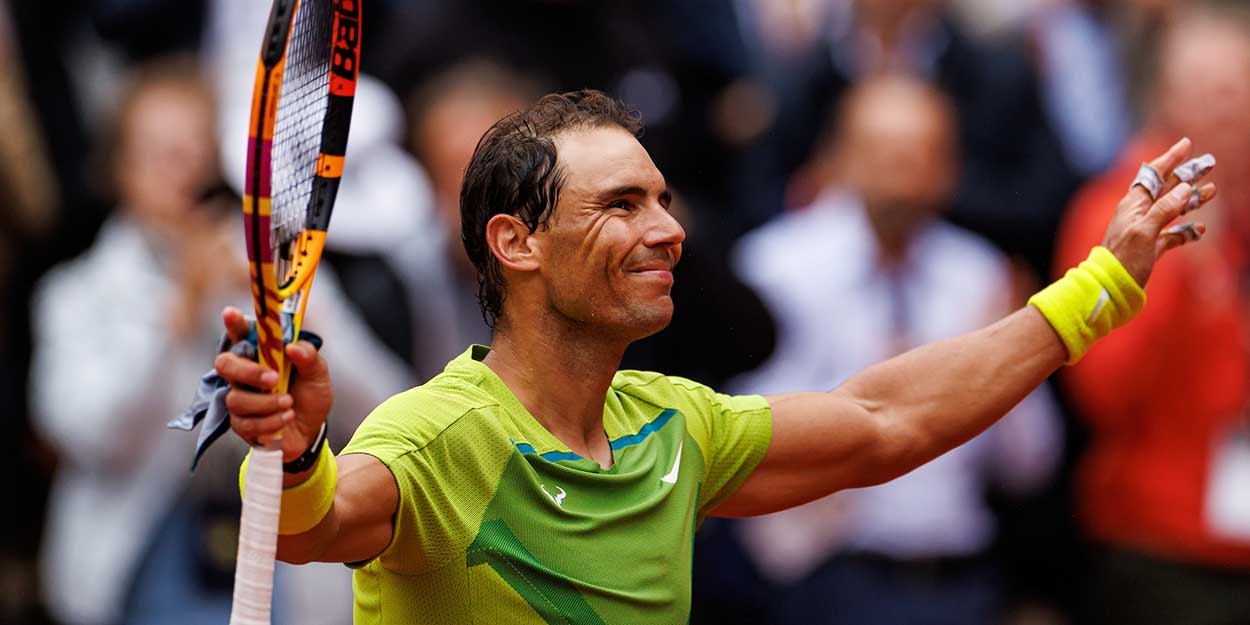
point(605, 246)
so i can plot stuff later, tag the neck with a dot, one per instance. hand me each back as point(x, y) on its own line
point(889, 25)
point(561, 374)
point(892, 243)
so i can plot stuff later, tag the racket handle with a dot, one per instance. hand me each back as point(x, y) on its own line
point(258, 539)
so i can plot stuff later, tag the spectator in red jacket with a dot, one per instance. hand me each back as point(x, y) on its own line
point(1166, 398)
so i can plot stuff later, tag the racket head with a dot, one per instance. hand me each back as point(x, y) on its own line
point(297, 141)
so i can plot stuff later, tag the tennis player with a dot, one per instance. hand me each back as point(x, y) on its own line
point(533, 482)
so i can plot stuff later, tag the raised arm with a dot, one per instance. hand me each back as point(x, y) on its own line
point(358, 524)
point(904, 412)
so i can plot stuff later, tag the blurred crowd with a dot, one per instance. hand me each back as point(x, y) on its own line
point(857, 177)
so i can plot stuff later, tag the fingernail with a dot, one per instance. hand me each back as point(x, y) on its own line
point(285, 401)
point(288, 416)
point(269, 378)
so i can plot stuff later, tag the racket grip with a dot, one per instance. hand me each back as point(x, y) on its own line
point(258, 539)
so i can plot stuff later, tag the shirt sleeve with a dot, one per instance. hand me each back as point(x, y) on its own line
point(733, 433)
point(444, 483)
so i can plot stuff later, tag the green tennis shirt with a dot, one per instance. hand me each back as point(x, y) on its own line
point(499, 522)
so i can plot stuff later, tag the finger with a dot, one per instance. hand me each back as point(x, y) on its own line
point(1199, 197)
point(1194, 169)
point(248, 403)
point(259, 429)
point(240, 371)
point(1168, 207)
point(1162, 167)
point(1175, 155)
point(237, 327)
point(1179, 235)
point(307, 361)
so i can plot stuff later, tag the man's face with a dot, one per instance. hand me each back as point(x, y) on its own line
point(608, 255)
point(1204, 105)
point(899, 157)
point(445, 138)
point(167, 157)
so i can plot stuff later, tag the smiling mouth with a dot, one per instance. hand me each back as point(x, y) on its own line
point(656, 269)
point(655, 265)
point(661, 274)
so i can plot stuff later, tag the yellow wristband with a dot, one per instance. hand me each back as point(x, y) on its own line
point(305, 505)
point(1090, 301)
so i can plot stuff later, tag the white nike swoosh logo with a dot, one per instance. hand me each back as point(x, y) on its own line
point(1103, 297)
point(671, 478)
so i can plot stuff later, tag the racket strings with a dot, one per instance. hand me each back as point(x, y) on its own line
point(297, 130)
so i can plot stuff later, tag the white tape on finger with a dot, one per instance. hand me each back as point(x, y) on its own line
point(1195, 201)
point(1148, 179)
point(1187, 230)
point(1194, 169)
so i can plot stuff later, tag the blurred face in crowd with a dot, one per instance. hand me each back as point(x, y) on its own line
point(166, 155)
point(447, 134)
point(896, 150)
point(608, 253)
point(888, 14)
point(1211, 106)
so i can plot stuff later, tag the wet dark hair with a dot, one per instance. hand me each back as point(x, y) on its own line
point(514, 171)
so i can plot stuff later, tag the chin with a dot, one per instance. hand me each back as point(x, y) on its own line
point(653, 318)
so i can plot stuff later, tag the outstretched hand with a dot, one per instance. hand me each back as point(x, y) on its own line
point(256, 413)
point(1139, 234)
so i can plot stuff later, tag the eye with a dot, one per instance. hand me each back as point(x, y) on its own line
point(622, 204)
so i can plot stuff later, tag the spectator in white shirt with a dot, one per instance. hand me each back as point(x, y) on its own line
point(866, 272)
point(121, 336)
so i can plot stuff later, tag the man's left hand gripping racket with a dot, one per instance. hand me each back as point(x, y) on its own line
point(301, 108)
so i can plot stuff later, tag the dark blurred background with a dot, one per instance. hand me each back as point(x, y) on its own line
point(857, 177)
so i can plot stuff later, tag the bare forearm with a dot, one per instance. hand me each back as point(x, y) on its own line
point(358, 525)
point(902, 413)
point(939, 396)
point(895, 416)
point(310, 546)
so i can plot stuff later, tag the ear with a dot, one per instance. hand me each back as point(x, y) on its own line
point(512, 243)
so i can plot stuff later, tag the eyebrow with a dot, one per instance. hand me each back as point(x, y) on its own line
point(665, 196)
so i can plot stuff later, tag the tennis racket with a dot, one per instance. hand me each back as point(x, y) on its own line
point(297, 139)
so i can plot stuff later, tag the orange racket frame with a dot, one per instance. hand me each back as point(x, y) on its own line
point(280, 301)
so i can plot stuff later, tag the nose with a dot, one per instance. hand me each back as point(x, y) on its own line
point(662, 229)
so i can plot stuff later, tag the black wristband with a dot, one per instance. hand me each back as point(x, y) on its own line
point(309, 457)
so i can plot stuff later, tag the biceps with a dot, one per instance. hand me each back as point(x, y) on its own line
point(821, 443)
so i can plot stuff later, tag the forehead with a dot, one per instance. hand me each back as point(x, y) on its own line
point(900, 110)
point(594, 159)
point(1205, 37)
point(166, 109)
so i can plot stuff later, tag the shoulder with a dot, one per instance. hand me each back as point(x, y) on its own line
point(663, 391)
point(970, 252)
point(117, 262)
point(821, 236)
point(693, 399)
point(965, 279)
point(412, 420)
